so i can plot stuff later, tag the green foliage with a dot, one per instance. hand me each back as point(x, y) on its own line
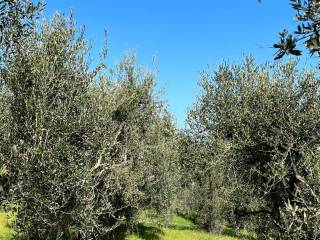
point(205, 186)
point(263, 124)
point(6, 232)
point(307, 32)
point(16, 21)
point(82, 150)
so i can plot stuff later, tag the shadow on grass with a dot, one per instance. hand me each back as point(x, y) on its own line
point(175, 227)
point(142, 231)
point(148, 232)
point(179, 222)
point(182, 227)
point(232, 233)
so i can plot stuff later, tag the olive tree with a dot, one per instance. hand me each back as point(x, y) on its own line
point(145, 167)
point(265, 121)
point(82, 150)
point(307, 31)
point(17, 18)
point(86, 150)
point(47, 81)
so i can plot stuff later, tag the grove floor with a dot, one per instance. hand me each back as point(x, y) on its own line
point(179, 229)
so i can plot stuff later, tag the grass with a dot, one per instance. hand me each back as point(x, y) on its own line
point(183, 229)
point(6, 233)
point(178, 229)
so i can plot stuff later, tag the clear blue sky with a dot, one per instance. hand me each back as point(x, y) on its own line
point(185, 35)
